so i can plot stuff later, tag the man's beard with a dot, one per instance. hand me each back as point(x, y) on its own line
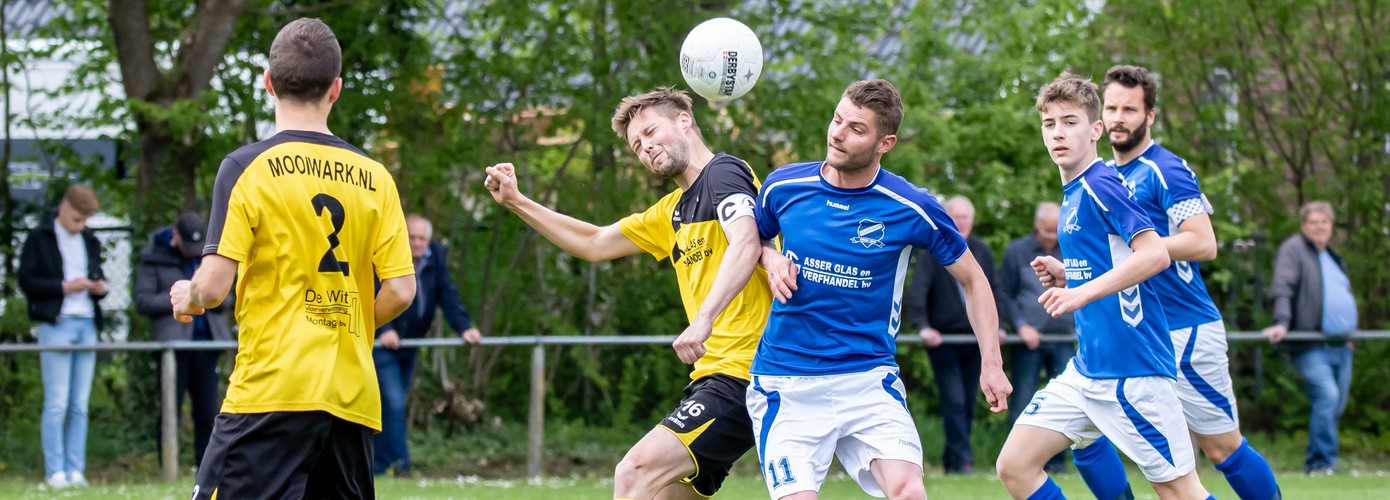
point(854, 161)
point(1135, 137)
point(676, 163)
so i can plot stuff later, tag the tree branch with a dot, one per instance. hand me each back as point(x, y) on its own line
point(203, 43)
point(130, 28)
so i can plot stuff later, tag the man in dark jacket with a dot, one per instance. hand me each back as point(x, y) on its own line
point(172, 254)
point(394, 364)
point(60, 274)
point(935, 303)
point(1312, 292)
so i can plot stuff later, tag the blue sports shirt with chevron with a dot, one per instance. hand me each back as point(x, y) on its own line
point(853, 247)
point(1125, 334)
point(1166, 191)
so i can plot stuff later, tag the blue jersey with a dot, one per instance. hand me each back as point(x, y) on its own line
point(1125, 334)
point(1166, 190)
point(853, 247)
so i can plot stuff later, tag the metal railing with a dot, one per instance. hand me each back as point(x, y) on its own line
point(535, 422)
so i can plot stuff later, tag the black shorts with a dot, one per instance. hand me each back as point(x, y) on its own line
point(713, 423)
point(296, 455)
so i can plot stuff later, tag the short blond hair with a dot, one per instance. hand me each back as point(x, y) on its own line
point(1071, 89)
point(81, 198)
point(670, 102)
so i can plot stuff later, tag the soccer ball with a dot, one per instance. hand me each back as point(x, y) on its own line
point(721, 59)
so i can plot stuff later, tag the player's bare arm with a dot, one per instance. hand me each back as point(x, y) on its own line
point(208, 288)
point(1150, 257)
point(395, 295)
point(578, 238)
point(734, 270)
point(781, 271)
point(1195, 240)
point(984, 319)
point(1050, 271)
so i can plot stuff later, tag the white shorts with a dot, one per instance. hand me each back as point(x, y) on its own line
point(1204, 379)
point(1142, 417)
point(801, 422)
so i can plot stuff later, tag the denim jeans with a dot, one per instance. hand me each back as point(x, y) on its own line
point(67, 383)
point(1326, 372)
point(393, 372)
point(956, 369)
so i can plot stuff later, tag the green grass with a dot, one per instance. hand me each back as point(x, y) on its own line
point(1353, 485)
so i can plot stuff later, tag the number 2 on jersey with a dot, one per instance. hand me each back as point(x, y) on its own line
point(330, 263)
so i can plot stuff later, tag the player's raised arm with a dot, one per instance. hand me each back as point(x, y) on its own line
point(1150, 257)
point(581, 239)
point(984, 319)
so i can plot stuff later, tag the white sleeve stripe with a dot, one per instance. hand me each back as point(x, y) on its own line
point(767, 190)
point(1157, 172)
point(1087, 187)
point(915, 207)
point(1187, 209)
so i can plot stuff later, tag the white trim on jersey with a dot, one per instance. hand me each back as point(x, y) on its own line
point(895, 321)
point(1087, 186)
point(1157, 171)
point(1131, 301)
point(900, 199)
point(767, 190)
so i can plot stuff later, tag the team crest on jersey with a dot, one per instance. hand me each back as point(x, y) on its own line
point(870, 234)
point(1073, 224)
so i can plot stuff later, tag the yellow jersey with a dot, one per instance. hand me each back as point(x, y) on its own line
point(310, 220)
point(687, 227)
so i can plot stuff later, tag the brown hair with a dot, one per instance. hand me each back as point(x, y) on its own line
point(304, 60)
point(1071, 89)
point(81, 198)
point(1130, 77)
point(883, 99)
point(668, 101)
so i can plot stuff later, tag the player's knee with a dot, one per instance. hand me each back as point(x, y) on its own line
point(905, 488)
point(1219, 447)
point(1007, 469)
point(634, 467)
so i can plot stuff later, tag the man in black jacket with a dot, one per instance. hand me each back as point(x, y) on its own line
point(173, 253)
point(935, 303)
point(395, 365)
point(60, 274)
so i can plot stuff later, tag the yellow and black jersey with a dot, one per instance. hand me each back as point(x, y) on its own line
point(688, 228)
point(311, 221)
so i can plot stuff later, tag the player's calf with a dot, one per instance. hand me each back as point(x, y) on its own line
point(1020, 463)
point(656, 461)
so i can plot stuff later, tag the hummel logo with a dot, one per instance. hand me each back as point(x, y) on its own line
point(836, 205)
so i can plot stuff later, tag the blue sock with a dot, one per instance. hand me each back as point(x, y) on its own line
point(1101, 469)
point(1048, 491)
point(1249, 474)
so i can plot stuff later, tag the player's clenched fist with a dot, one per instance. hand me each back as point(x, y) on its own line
point(501, 182)
point(1059, 301)
point(996, 387)
point(1050, 271)
point(181, 298)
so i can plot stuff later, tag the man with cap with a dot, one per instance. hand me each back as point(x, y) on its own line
point(172, 254)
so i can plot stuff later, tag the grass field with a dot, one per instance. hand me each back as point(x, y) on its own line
point(1352, 485)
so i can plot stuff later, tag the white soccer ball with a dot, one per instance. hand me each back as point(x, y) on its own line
point(721, 59)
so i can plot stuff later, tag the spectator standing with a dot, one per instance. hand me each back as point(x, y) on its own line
point(936, 303)
point(60, 275)
point(395, 365)
point(1311, 292)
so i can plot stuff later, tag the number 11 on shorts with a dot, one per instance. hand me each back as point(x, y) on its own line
point(786, 472)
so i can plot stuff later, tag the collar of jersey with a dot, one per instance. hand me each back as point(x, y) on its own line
point(820, 172)
point(1087, 171)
